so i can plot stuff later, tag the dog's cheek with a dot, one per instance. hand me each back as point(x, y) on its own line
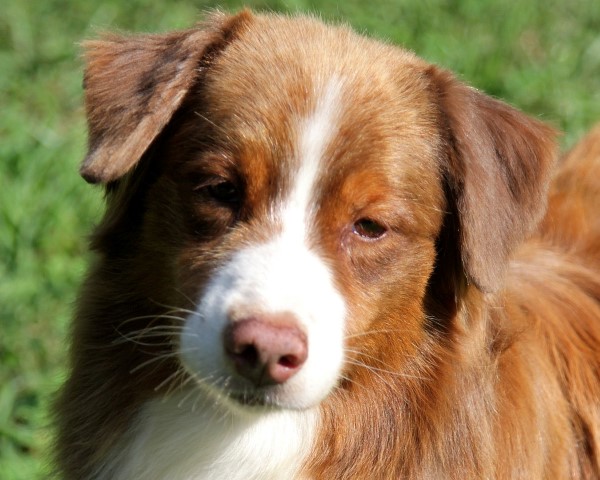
point(385, 291)
point(370, 274)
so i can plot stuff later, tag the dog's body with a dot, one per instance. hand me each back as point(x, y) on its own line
point(317, 262)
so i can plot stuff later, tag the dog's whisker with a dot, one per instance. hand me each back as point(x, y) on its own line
point(169, 315)
point(362, 354)
point(385, 371)
point(171, 377)
point(159, 357)
point(173, 309)
point(349, 380)
point(372, 332)
point(155, 331)
point(150, 332)
point(187, 298)
point(186, 397)
point(198, 397)
point(376, 372)
point(208, 380)
point(144, 340)
point(171, 385)
point(383, 367)
point(180, 381)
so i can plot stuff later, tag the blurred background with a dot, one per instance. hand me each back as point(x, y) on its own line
point(541, 55)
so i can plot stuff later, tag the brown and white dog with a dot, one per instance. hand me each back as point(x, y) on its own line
point(324, 258)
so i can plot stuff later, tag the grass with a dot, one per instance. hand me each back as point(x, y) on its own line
point(541, 55)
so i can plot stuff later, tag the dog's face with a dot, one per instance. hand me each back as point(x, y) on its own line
point(319, 190)
point(309, 197)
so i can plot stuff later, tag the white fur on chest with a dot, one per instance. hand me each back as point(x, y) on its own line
point(212, 443)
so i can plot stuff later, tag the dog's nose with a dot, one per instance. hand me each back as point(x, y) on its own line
point(267, 350)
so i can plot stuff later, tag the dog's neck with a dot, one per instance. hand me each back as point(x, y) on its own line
point(191, 436)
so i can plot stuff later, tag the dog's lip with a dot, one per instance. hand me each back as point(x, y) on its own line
point(255, 398)
point(251, 399)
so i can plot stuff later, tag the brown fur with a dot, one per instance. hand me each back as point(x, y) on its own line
point(473, 344)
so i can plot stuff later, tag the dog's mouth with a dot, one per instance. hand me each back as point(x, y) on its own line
point(252, 399)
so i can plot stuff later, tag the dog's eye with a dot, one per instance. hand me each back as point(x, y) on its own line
point(225, 192)
point(368, 229)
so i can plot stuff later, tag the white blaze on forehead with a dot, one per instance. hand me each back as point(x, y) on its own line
point(314, 136)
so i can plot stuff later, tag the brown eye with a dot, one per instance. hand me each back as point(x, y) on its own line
point(225, 192)
point(368, 229)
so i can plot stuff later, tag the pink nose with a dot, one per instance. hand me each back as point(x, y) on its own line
point(266, 350)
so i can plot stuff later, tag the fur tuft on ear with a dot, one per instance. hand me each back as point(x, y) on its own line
point(133, 86)
point(498, 167)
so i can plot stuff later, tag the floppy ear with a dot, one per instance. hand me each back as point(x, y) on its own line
point(498, 169)
point(134, 84)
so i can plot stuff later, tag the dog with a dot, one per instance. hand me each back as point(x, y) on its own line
point(324, 258)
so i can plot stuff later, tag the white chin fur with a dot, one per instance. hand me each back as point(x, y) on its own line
point(189, 437)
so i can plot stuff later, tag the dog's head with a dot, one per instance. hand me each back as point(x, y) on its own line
point(315, 200)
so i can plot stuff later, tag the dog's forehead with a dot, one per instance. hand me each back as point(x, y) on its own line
point(278, 69)
point(302, 100)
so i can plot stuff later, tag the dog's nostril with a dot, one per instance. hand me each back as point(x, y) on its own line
point(248, 355)
point(266, 350)
point(289, 361)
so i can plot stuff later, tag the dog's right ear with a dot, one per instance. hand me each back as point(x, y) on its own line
point(134, 84)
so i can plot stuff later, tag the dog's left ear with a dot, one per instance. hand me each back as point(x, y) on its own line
point(134, 85)
point(497, 166)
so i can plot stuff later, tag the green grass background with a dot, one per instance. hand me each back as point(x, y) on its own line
point(541, 55)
